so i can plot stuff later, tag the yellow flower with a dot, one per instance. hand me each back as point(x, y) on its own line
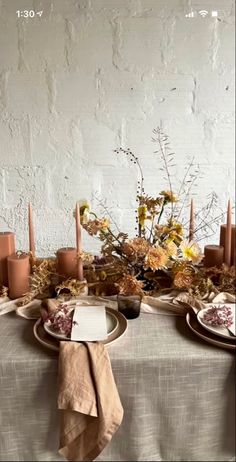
point(176, 232)
point(169, 196)
point(104, 223)
point(142, 215)
point(156, 258)
point(191, 251)
point(173, 231)
point(178, 228)
point(84, 208)
point(171, 248)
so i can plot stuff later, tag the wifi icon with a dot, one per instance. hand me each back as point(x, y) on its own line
point(203, 13)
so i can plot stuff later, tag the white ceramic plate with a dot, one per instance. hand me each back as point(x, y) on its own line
point(51, 343)
point(112, 324)
point(197, 328)
point(217, 330)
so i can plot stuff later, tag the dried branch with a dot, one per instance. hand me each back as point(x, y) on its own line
point(106, 210)
point(163, 143)
point(191, 182)
point(135, 160)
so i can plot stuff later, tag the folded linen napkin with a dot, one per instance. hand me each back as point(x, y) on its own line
point(166, 303)
point(91, 410)
point(7, 305)
point(180, 302)
point(28, 311)
point(157, 304)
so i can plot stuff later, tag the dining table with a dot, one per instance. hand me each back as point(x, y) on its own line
point(177, 392)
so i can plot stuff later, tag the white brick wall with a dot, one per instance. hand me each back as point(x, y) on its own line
point(92, 75)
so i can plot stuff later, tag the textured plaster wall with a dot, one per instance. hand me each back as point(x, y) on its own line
point(92, 75)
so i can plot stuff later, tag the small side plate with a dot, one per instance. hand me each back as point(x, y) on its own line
point(217, 330)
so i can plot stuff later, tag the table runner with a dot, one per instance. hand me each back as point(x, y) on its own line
point(177, 391)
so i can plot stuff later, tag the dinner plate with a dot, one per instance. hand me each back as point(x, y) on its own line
point(111, 321)
point(196, 327)
point(54, 344)
point(217, 330)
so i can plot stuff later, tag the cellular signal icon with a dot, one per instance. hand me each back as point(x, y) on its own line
point(203, 13)
point(190, 15)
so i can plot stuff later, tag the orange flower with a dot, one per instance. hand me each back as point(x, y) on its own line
point(156, 258)
point(180, 266)
point(183, 280)
point(137, 247)
point(94, 226)
point(129, 285)
point(169, 196)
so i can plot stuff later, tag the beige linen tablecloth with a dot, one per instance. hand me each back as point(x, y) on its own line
point(177, 392)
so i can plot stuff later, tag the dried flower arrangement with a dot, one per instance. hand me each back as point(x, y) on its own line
point(42, 280)
point(161, 254)
point(45, 281)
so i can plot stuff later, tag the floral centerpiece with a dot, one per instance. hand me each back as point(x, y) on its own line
point(162, 254)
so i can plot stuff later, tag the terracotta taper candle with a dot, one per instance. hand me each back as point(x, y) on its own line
point(31, 232)
point(214, 255)
point(7, 247)
point(227, 254)
point(18, 275)
point(191, 221)
point(79, 242)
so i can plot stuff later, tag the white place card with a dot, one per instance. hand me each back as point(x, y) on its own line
point(90, 323)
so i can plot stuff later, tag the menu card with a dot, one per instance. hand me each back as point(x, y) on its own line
point(89, 323)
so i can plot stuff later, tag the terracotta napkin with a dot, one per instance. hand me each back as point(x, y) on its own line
point(91, 410)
